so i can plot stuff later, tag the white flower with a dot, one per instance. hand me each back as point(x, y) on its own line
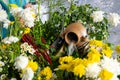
point(28, 16)
point(92, 70)
point(111, 65)
point(6, 40)
point(97, 16)
point(2, 77)
point(35, 8)
point(9, 40)
point(115, 77)
point(3, 15)
point(2, 63)
point(13, 39)
point(30, 24)
point(28, 74)
point(114, 19)
point(6, 24)
point(26, 47)
point(3, 18)
point(13, 79)
point(21, 62)
point(16, 11)
point(44, 16)
point(31, 51)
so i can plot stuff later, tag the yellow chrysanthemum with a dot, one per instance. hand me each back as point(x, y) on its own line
point(118, 49)
point(66, 67)
point(39, 78)
point(33, 65)
point(79, 70)
point(86, 62)
point(77, 61)
point(94, 55)
point(46, 73)
point(105, 75)
point(27, 30)
point(107, 51)
point(13, 5)
point(96, 43)
point(66, 63)
point(65, 60)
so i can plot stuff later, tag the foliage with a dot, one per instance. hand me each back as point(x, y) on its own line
point(60, 19)
point(27, 53)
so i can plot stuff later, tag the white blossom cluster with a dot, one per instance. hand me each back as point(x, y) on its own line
point(25, 47)
point(16, 11)
point(110, 64)
point(93, 70)
point(113, 18)
point(27, 15)
point(97, 16)
point(3, 76)
point(10, 39)
point(4, 18)
point(28, 74)
point(21, 63)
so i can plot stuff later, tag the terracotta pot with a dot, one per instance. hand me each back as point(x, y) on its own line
point(75, 33)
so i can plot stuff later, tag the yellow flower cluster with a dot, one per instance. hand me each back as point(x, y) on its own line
point(107, 50)
point(27, 30)
point(94, 55)
point(65, 61)
point(75, 65)
point(101, 47)
point(45, 74)
point(96, 43)
point(105, 75)
point(33, 65)
point(79, 70)
point(78, 65)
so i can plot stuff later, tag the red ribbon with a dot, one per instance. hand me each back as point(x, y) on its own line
point(27, 38)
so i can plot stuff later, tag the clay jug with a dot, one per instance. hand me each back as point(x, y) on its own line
point(75, 33)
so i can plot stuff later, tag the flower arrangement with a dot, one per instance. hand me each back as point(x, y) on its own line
point(35, 50)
